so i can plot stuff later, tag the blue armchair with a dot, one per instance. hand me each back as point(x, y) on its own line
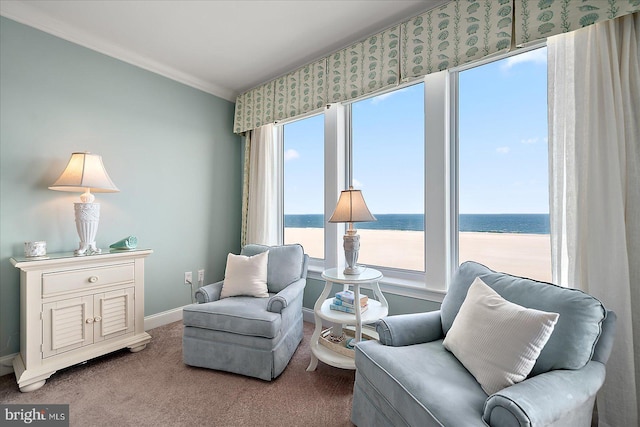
point(410, 379)
point(246, 335)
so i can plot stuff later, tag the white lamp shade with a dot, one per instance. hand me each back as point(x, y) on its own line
point(85, 171)
point(351, 207)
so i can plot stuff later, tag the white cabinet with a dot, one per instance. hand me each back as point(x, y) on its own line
point(74, 308)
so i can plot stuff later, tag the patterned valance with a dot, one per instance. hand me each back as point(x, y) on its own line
point(254, 108)
point(298, 92)
point(539, 19)
point(454, 34)
point(301, 91)
point(365, 67)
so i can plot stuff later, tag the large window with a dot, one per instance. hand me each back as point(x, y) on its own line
point(454, 167)
point(387, 157)
point(303, 148)
point(503, 165)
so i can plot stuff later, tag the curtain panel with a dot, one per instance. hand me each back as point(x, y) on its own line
point(245, 187)
point(260, 189)
point(454, 34)
point(539, 19)
point(594, 150)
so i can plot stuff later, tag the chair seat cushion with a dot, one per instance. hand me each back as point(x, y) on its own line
point(238, 315)
point(422, 382)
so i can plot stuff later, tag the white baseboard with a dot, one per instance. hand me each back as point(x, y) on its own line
point(163, 318)
point(6, 364)
point(150, 322)
point(307, 316)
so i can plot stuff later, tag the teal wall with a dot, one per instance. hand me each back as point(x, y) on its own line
point(168, 147)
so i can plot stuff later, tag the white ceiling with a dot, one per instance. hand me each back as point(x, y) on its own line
point(221, 47)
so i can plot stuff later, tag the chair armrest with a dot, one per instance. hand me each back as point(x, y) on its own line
point(209, 293)
point(546, 398)
point(282, 299)
point(408, 329)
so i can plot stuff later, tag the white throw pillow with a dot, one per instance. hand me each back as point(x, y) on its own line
point(496, 340)
point(246, 276)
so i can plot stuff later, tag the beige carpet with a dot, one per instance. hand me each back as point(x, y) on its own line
point(154, 388)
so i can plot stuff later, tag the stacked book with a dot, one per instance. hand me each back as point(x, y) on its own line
point(344, 301)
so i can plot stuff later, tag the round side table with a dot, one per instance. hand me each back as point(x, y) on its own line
point(376, 310)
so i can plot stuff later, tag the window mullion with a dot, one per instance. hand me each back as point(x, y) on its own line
point(454, 202)
point(278, 137)
point(437, 182)
point(334, 180)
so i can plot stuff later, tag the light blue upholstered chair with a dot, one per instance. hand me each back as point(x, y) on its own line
point(246, 335)
point(410, 379)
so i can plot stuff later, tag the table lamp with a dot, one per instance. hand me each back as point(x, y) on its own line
point(351, 208)
point(85, 173)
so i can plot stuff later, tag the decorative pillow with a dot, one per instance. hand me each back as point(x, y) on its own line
point(246, 276)
point(496, 340)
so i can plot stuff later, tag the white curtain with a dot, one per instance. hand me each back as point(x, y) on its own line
point(261, 215)
point(594, 116)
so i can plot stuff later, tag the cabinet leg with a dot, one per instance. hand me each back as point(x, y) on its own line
point(138, 348)
point(32, 387)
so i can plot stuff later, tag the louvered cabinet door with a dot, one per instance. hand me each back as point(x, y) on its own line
point(67, 325)
point(114, 314)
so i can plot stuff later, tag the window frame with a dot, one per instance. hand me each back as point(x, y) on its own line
point(407, 277)
point(279, 136)
point(441, 184)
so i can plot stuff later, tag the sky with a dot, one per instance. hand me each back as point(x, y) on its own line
point(503, 166)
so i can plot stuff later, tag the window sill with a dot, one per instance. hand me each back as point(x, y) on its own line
point(394, 285)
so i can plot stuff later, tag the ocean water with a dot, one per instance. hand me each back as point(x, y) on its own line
point(490, 223)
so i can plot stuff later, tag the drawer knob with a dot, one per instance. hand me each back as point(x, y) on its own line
point(97, 319)
point(89, 320)
point(93, 279)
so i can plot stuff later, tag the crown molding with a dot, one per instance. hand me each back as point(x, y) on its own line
point(32, 17)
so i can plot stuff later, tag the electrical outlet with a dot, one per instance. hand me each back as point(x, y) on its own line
point(188, 277)
point(201, 277)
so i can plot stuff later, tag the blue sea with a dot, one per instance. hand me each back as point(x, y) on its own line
point(490, 223)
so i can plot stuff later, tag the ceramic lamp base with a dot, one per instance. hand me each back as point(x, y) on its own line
point(353, 271)
point(87, 219)
point(351, 244)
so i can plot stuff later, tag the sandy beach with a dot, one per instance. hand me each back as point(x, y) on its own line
point(527, 255)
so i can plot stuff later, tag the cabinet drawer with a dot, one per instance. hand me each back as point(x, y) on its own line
point(74, 280)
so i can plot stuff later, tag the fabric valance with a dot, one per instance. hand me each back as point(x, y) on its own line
point(454, 34)
point(298, 92)
point(365, 67)
point(301, 91)
point(539, 19)
point(448, 36)
point(255, 108)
